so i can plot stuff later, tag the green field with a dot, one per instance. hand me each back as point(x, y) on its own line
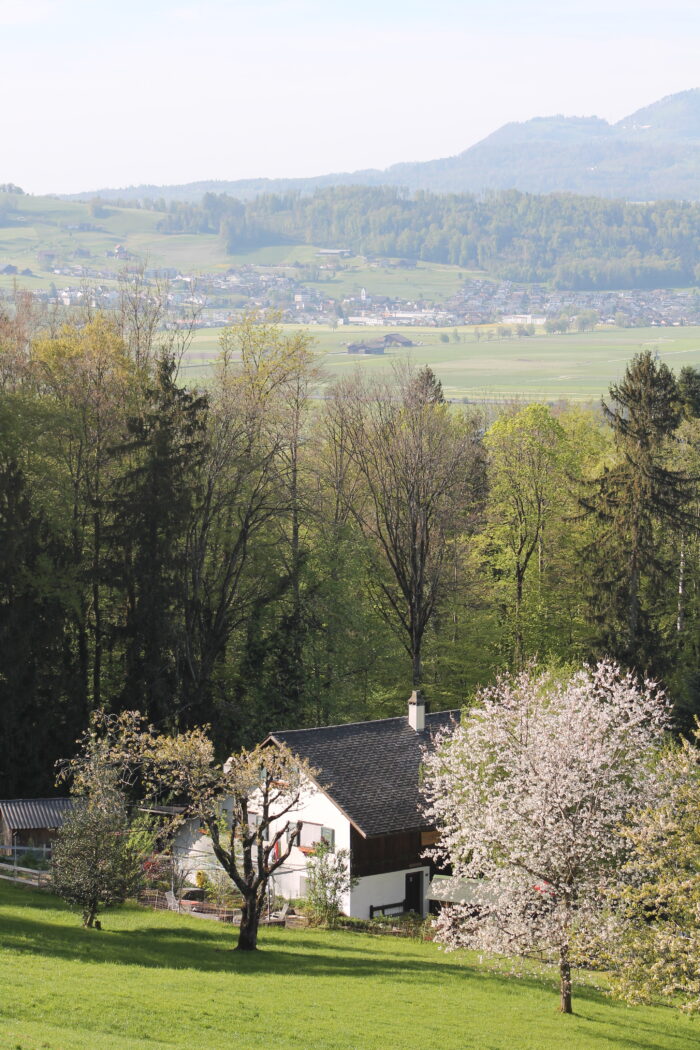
point(43, 224)
point(153, 979)
point(572, 366)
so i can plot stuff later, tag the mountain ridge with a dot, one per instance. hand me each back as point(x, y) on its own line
point(652, 153)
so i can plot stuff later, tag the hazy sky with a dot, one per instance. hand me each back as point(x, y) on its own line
point(99, 93)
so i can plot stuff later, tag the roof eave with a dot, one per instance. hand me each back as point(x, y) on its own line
point(272, 739)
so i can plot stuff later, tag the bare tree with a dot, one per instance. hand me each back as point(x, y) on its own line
point(412, 472)
point(143, 321)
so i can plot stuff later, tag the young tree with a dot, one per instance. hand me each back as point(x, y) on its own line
point(97, 857)
point(653, 940)
point(328, 879)
point(529, 793)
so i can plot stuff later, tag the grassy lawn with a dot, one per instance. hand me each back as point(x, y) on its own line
point(156, 979)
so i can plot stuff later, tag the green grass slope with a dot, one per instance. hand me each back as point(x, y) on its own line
point(159, 980)
point(29, 225)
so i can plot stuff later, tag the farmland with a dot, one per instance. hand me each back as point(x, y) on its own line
point(69, 230)
point(153, 978)
point(572, 366)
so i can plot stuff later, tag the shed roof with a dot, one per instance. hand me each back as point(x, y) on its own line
point(29, 814)
point(371, 770)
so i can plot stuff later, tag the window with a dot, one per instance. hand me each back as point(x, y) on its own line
point(328, 836)
point(311, 834)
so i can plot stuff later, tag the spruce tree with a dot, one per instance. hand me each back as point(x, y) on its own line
point(636, 501)
point(40, 714)
point(153, 509)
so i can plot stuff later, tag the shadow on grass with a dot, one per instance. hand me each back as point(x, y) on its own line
point(43, 927)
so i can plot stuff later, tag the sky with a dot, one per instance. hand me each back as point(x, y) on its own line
point(111, 93)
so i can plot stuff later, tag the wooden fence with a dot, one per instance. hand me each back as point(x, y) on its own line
point(25, 876)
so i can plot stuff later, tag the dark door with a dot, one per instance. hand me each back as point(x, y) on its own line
point(414, 892)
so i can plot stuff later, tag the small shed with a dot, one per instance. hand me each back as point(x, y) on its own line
point(31, 821)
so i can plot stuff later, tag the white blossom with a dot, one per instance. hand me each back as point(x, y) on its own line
point(529, 794)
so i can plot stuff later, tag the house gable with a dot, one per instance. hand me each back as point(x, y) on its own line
point(370, 770)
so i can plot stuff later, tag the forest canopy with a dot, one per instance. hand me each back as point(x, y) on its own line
point(573, 242)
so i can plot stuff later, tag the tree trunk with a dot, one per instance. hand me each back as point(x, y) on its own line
point(417, 670)
point(565, 980)
point(248, 933)
point(680, 615)
point(97, 612)
point(89, 914)
point(518, 643)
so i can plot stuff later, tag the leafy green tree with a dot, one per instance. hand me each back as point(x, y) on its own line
point(414, 483)
point(654, 937)
point(89, 379)
point(328, 879)
point(97, 857)
point(526, 492)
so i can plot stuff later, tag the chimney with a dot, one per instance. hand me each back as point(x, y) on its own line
point(416, 711)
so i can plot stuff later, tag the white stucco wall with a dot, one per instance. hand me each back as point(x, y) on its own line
point(316, 808)
point(387, 888)
point(195, 853)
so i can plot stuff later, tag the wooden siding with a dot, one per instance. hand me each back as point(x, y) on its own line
point(383, 853)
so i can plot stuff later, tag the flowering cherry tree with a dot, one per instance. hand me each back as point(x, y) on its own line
point(529, 794)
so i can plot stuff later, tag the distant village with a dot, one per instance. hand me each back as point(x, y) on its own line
point(303, 294)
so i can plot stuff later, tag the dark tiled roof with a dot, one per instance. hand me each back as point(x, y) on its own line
point(370, 769)
point(29, 814)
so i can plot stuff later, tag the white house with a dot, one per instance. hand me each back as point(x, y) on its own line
point(365, 799)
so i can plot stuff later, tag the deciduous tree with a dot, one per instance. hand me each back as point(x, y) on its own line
point(529, 794)
point(653, 939)
point(413, 488)
point(244, 804)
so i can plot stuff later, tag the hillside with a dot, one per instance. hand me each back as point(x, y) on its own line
point(156, 979)
point(651, 154)
point(572, 242)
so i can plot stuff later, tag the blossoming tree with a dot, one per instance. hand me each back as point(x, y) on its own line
point(529, 793)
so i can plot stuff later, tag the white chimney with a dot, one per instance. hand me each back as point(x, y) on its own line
point(416, 711)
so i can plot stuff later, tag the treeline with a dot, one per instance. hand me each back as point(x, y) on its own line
point(254, 558)
point(573, 242)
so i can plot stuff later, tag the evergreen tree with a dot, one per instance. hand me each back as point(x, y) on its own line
point(153, 509)
point(39, 714)
point(689, 391)
point(634, 501)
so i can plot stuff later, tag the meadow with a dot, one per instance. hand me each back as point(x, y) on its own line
point(574, 366)
point(157, 979)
